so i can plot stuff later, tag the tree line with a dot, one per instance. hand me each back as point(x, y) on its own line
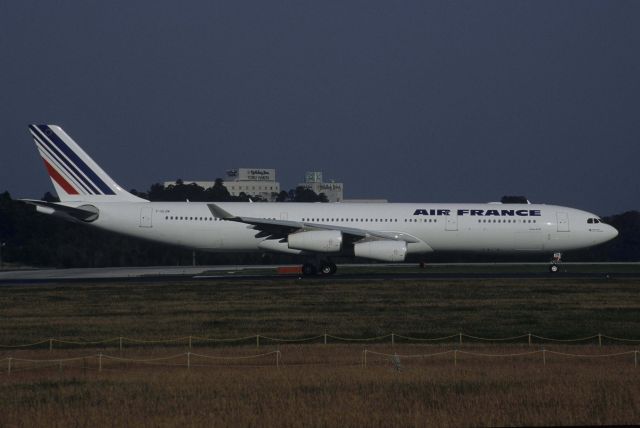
point(31, 239)
point(219, 193)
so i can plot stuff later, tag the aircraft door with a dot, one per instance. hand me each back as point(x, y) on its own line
point(563, 221)
point(451, 222)
point(145, 216)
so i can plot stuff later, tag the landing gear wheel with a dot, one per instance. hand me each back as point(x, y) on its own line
point(557, 258)
point(328, 268)
point(308, 269)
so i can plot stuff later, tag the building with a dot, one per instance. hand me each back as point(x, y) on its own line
point(253, 182)
point(332, 190)
point(250, 181)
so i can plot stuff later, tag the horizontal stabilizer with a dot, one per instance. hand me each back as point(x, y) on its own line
point(85, 213)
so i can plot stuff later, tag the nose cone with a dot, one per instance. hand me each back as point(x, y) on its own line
point(607, 234)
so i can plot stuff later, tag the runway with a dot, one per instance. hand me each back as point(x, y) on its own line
point(347, 272)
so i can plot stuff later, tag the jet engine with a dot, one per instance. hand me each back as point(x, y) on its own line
point(386, 251)
point(322, 241)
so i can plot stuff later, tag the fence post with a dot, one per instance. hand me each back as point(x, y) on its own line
point(455, 357)
point(120, 344)
point(460, 334)
point(599, 339)
point(277, 359)
point(393, 339)
point(188, 360)
point(635, 359)
point(544, 357)
point(189, 343)
point(257, 340)
point(529, 339)
point(365, 358)
point(50, 344)
point(9, 366)
point(100, 362)
point(325, 337)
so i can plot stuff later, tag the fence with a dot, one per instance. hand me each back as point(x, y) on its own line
point(395, 358)
point(258, 339)
point(183, 360)
point(187, 359)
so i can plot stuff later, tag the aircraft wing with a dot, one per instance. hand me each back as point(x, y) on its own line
point(277, 229)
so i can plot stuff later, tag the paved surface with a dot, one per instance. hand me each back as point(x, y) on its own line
point(255, 272)
point(115, 273)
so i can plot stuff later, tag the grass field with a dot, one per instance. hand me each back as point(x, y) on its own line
point(316, 384)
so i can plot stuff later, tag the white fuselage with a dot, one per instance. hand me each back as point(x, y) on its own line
point(385, 232)
point(437, 227)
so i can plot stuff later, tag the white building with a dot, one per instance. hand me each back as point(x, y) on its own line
point(253, 182)
point(250, 181)
point(332, 190)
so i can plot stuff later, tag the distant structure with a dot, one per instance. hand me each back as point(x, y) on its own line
point(262, 182)
point(332, 190)
point(365, 201)
point(250, 181)
point(507, 199)
point(253, 182)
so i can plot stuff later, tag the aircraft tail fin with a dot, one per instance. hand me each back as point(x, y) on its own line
point(75, 176)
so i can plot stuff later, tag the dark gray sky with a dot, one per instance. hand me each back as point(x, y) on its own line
point(410, 101)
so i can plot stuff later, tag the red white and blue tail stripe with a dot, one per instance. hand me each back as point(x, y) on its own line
point(75, 176)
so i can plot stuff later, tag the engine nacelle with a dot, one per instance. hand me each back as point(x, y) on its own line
point(386, 251)
point(322, 241)
point(277, 246)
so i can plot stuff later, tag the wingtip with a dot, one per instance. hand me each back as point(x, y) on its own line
point(219, 212)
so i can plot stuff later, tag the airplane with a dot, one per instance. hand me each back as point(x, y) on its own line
point(379, 231)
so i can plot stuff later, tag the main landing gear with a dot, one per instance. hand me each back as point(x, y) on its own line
point(323, 268)
point(557, 259)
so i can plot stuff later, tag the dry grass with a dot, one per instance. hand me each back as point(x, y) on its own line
point(318, 385)
point(290, 308)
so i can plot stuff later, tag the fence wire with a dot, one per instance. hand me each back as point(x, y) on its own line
point(122, 341)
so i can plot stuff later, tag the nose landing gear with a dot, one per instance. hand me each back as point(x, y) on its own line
point(557, 259)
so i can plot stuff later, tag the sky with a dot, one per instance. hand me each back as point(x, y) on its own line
point(411, 101)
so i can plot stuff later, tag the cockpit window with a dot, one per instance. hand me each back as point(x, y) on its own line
point(594, 220)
